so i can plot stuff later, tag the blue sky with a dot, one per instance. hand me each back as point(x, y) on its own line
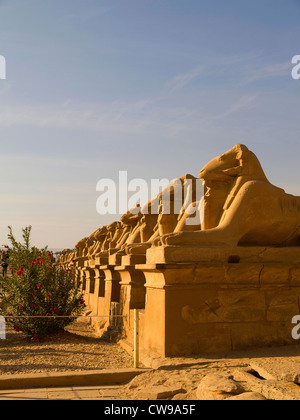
point(154, 87)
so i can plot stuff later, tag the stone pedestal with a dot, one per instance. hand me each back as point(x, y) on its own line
point(89, 262)
point(97, 299)
point(103, 260)
point(132, 296)
point(116, 257)
point(82, 279)
point(132, 290)
point(112, 288)
point(196, 254)
point(131, 260)
point(98, 304)
point(80, 261)
point(89, 280)
point(220, 306)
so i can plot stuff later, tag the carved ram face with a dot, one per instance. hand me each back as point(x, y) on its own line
point(229, 164)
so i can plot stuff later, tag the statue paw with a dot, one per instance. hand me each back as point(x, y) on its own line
point(170, 239)
point(156, 242)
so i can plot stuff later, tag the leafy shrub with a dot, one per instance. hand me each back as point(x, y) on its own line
point(37, 287)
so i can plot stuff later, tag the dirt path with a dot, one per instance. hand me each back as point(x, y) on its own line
point(73, 350)
point(273, 372)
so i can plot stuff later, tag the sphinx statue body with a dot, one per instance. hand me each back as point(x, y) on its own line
point(166, 213)
point(241, 207)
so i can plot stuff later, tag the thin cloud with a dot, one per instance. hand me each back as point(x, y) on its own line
point(99, 117)
point(243, 102)
point(182, 80)
point(273, 70)
point(116, 118)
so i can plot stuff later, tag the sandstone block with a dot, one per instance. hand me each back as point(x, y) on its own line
point(217, 387)
point(248, 396)
point(159, 392)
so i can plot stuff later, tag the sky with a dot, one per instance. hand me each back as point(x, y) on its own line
point(156, 88)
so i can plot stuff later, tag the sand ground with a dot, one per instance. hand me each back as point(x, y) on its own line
point(273, 372)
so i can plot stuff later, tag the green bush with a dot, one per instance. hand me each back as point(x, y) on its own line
point(36, 287)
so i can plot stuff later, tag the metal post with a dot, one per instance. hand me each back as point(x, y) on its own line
point(136, 338)
point(2, 328)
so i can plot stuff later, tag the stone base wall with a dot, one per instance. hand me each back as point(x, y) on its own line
point(189, 308)
point(211, 308)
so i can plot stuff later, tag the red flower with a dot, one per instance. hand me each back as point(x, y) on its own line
point(20, 271)
point(21, 307)
point(54, 310)
point(16, 328)
point(82, 301)
point(47, 295)
point(38, 285)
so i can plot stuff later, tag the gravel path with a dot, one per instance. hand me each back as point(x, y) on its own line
point(75, 349)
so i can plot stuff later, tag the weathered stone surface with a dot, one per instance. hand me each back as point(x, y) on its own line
point(159, 392)
point(242, 305)
point(275, 274)
point(295, 275)
point(241, 274)
point(202, 313)
point(284, 305)
point(224, 305)
point(214, 254)
point(211, 338)
point(270, 389)
point(278, 368)
point(251, 396)
point(217, 387)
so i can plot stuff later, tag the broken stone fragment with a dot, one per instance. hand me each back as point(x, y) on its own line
point(218, 387)
point(251, 396)
point(159, 392)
